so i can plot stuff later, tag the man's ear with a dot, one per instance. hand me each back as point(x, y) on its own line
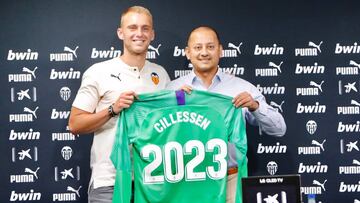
point(120, 33)
point(187, 53)
point(221, 50)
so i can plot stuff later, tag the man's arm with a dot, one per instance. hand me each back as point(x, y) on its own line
point(260, 113)
point(81, 122)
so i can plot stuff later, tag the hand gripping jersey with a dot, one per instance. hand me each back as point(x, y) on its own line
point(179, 148)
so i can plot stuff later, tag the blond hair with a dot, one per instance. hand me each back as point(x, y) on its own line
point(136, 9)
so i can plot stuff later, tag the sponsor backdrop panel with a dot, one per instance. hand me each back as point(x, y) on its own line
point(303, 56)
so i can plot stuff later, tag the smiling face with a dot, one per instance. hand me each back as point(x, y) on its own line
point(137, 32)
point(204, 50)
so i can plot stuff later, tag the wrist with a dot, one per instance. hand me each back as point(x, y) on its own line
point(111, 111)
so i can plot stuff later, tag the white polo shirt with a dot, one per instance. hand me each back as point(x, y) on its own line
point(101, 86)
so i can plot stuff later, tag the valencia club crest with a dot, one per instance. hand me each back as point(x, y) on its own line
point(155, 78)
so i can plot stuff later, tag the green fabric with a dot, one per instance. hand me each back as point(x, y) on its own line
point(180, 135)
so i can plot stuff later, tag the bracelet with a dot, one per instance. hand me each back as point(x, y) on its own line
point(111, 111)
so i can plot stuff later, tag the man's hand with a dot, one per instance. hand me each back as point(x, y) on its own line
point(124, 101)
point(244, 99)
point(186, 88)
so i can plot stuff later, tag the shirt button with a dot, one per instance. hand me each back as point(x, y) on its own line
point(134, 69)
point(138, 77)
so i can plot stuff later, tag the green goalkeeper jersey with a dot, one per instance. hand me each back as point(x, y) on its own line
point(179, 148)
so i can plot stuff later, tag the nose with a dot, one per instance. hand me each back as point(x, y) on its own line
point(204, 52)
point(139, 32)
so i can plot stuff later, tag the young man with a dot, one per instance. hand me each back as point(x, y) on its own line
point(204, 51)
point(109, 87)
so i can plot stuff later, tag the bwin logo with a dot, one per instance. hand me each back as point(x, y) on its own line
point(178, 52)
point(274, 50)
point(277, 149)
point(346, 110)
point(59, 114)
point(276, 89)
point(30, 135)
point(348, 127)
point(349, 87)
point(104, 54)
point(350, 170)
point(21, 56)
point(317, 108)
point(27, 77)
point(313, 50)
point(317, 149)
point(314, 189)
point(349, 70)
point(64, 56)
point(278, 107)
point(310, 91)
point(352, 49)
point(61, 197)
point(274, 71)
point(313, 69)
point(271, 198)
point(28, 196)
point(24, 153)
point(235, 70)
point(153, 52)
point(349, 187)
point(29, 117)
point(230, 53)
point(23, 95)
point(26, 178)
point(63, 75)
point(318, 168)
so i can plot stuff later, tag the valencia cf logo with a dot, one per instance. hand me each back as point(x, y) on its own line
point(155, 78)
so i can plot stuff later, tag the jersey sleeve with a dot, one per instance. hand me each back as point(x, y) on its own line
point(120, 157)
point(237, 132)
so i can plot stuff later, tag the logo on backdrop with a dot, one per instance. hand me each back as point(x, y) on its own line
point(347, 49)
point(66, 152)
point(313, 49)
point(278, 107)
point(310, 109)
point(27, 76)
point(348, 147)
point(67, 55)
point(63, 136)
point(152, 52)
point(65, 93)
point(23, 94)
point(318, 188)
point(350, 170)
point(310, 91)
point(24, 154)
point(28, 116)
point(346, 110)
point(348, 70)
point(317, 168)
point(69, 196)
point(232, 51)
point(272, 167)
point(271, 198)
point(316, 149)
point(351, 127)
point(234, 70)
point(67, 174)
point(22, 56)
point(272, 149)
point(25, 197)
point(63, 75)
point(275, 70)
point(28, 135)
point(105, 54)
point(347, 88)
point(273, 50)
point(269, 90)
point(311, 69)
point(311, 127)
point(29, 177)
point(349, 187)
